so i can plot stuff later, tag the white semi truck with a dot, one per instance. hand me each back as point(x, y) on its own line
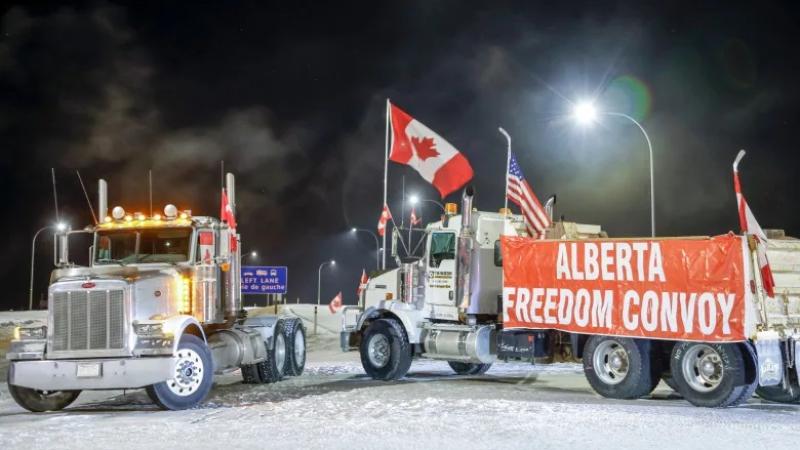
point(159, 307)
point(462, 302)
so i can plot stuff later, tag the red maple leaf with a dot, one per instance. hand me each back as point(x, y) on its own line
point(424, 147)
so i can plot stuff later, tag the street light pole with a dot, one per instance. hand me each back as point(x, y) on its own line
point(414, 200)
point(508, 167)
point(377, 245)
point(319, 279)
point(60, 226)
point(586, 113)
point(652, 177)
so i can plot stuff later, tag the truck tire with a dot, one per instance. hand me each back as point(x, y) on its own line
point(194, 375)
point(462, 368)
point(751, 374)
point(618, 367)
point(41, 401)
point(296, 347)
point(708, 374)
point(273, 369)
point(788, 391)
point(385, 351)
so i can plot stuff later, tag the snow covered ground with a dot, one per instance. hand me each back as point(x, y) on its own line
point(334, 405)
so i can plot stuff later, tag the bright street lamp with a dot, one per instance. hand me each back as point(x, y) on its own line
point(414, 199)
point(319, 278)
point(355, 230)
point(585, 113)
point(61, 226)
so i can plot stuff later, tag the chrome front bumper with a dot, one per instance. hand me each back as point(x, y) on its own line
point(62, 375)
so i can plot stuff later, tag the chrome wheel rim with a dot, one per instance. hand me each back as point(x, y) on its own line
point(280, 352)
point(188, 373)
point(299, 347)
point(611, 362)
point(378, 351)
point(702, 368)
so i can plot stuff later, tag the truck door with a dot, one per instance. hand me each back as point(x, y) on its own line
point(440, 277)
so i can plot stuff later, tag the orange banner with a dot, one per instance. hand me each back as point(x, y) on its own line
point(677, 289)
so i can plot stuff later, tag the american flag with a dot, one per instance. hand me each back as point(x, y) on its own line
point(520, 192)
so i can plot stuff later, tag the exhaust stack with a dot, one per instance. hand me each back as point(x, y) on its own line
point(550, 206)
point(465, 251)
point(232, 284)
point(102, 200)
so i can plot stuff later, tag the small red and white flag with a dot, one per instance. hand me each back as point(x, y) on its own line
point(336, 303)
point(519, 191)
point(414, 219)
point(749, 225)
point(226, 212)
point(435, 159)
point(226, 215)
point(386, 216)
point(362, 283)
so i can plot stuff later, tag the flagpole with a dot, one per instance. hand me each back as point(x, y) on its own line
point(508, 167)
point(410, 227)
point(738, 189)
point(385, 178)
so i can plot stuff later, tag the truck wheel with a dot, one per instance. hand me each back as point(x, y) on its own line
point(462, 368)
point(385, 351)
point(41, 401)
point(618, 367)
point(709, 375)
point(273, 368)
point(296, 347)
point(751, 374)
point(194, 375)
point(788, 391)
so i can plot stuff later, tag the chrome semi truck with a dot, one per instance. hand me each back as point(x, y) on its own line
point(158, 307)
point(691, 311)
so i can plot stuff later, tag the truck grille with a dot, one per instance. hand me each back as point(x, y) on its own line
point(88, 320)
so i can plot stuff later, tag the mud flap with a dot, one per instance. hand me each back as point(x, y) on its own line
point(770, 359)
point(796, 352)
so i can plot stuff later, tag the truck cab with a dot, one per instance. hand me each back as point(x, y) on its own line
point(158, 307)
point(446, 304)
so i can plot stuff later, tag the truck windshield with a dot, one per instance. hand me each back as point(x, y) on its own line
point(165, 245)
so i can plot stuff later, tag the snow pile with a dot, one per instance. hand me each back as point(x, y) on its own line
point(9, 319)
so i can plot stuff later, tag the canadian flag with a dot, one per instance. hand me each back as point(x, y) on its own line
point(435, 159)
point(362, 284)
point(749, 225)
point(414, 219)
point(386, 215)
point(226, 212)
point(336, 303)
point(226, 215)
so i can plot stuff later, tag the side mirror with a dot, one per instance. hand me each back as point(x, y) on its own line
point(498, 254)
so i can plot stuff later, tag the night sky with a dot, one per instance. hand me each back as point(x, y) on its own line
point(292, 96)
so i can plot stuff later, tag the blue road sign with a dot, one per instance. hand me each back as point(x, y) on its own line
point(264, 279)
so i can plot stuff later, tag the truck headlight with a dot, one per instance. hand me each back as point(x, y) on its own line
point(148, 329)
point(30, 333)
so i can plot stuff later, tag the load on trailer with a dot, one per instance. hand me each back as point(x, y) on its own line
point(159, 307)
point(691, 311)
